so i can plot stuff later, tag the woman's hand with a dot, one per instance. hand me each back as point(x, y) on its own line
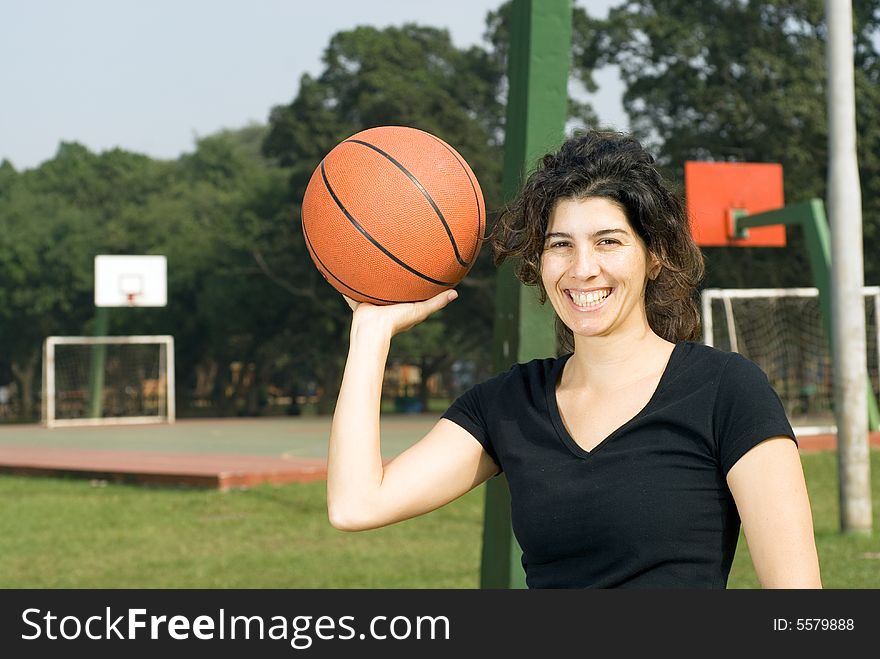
point(396, 318)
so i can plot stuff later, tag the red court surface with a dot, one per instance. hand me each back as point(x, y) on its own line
point(198, 466)
point(220, 471)
point(205, 453)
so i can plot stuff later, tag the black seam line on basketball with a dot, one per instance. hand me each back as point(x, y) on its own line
point(373, 240)
point(424, 192)
point(470, 180)
point(329, 272)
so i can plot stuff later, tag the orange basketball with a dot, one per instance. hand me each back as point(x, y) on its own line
point(393, 214)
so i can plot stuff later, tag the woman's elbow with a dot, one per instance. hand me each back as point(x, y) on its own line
point(345, 519)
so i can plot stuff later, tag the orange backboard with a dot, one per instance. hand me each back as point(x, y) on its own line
point(715, 190)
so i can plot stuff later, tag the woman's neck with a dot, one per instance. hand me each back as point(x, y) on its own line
point(605, 363)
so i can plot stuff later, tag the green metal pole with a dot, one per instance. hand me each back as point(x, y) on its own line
point(96, 374)
point(818, 237)
point(810, 215)
point(537, 108)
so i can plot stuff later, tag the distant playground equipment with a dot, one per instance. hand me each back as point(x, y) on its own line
point(100, 379)
point(742, 205)
point(781, 330)
point(132, 376)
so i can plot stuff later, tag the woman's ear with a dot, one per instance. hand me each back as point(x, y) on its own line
point(654, 267)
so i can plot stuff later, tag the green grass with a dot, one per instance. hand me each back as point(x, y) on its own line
point(71, 534)
point(57, 533)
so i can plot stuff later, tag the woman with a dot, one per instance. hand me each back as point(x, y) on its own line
point(632, 458)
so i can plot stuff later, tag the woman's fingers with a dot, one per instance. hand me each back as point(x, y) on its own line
point(401, 317)
point(434, 304)
point(419, 311)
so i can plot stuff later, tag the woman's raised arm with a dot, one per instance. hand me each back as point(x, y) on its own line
point(362, 493)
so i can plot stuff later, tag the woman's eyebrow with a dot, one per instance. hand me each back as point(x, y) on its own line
point(600, 232)
point(607, 232)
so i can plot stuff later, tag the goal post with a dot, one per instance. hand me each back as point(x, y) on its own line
point(782, 330)
point(135, 385)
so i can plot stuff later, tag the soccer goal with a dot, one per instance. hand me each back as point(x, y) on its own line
point(781, 330)
point(108, 380)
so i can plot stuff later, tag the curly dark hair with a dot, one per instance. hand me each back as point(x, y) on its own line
point(614, 166)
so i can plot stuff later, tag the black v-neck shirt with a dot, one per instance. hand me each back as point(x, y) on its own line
point(649, 506)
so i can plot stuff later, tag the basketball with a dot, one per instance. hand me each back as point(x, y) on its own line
point(393, 214)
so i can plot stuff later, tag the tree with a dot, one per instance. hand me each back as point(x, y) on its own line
point(54, 220)
point(209, 213)
point(43, 285)
point(223, 202)
point(741, 80)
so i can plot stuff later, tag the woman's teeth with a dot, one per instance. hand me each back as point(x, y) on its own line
point(589, 299)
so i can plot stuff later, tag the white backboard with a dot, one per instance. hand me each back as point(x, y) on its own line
point(130, 281)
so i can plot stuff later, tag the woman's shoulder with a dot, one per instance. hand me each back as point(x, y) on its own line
point(700, 352)
point(519, 386)
point(712, 361)
point(535, 372)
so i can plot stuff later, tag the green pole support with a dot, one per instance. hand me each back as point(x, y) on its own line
point(810, 215)
point(96, 374)
point(537, 108)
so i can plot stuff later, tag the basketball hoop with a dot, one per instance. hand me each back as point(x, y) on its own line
point(720, 194)
point(124, 280)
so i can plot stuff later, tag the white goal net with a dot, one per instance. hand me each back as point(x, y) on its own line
point(781, 330)
point(108, 379)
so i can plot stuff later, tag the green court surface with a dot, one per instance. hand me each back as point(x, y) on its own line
point(288, 436)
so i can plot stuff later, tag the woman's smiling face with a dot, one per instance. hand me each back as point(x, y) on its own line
point(594, 267)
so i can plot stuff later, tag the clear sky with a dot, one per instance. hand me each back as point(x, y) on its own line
point(152, 75)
